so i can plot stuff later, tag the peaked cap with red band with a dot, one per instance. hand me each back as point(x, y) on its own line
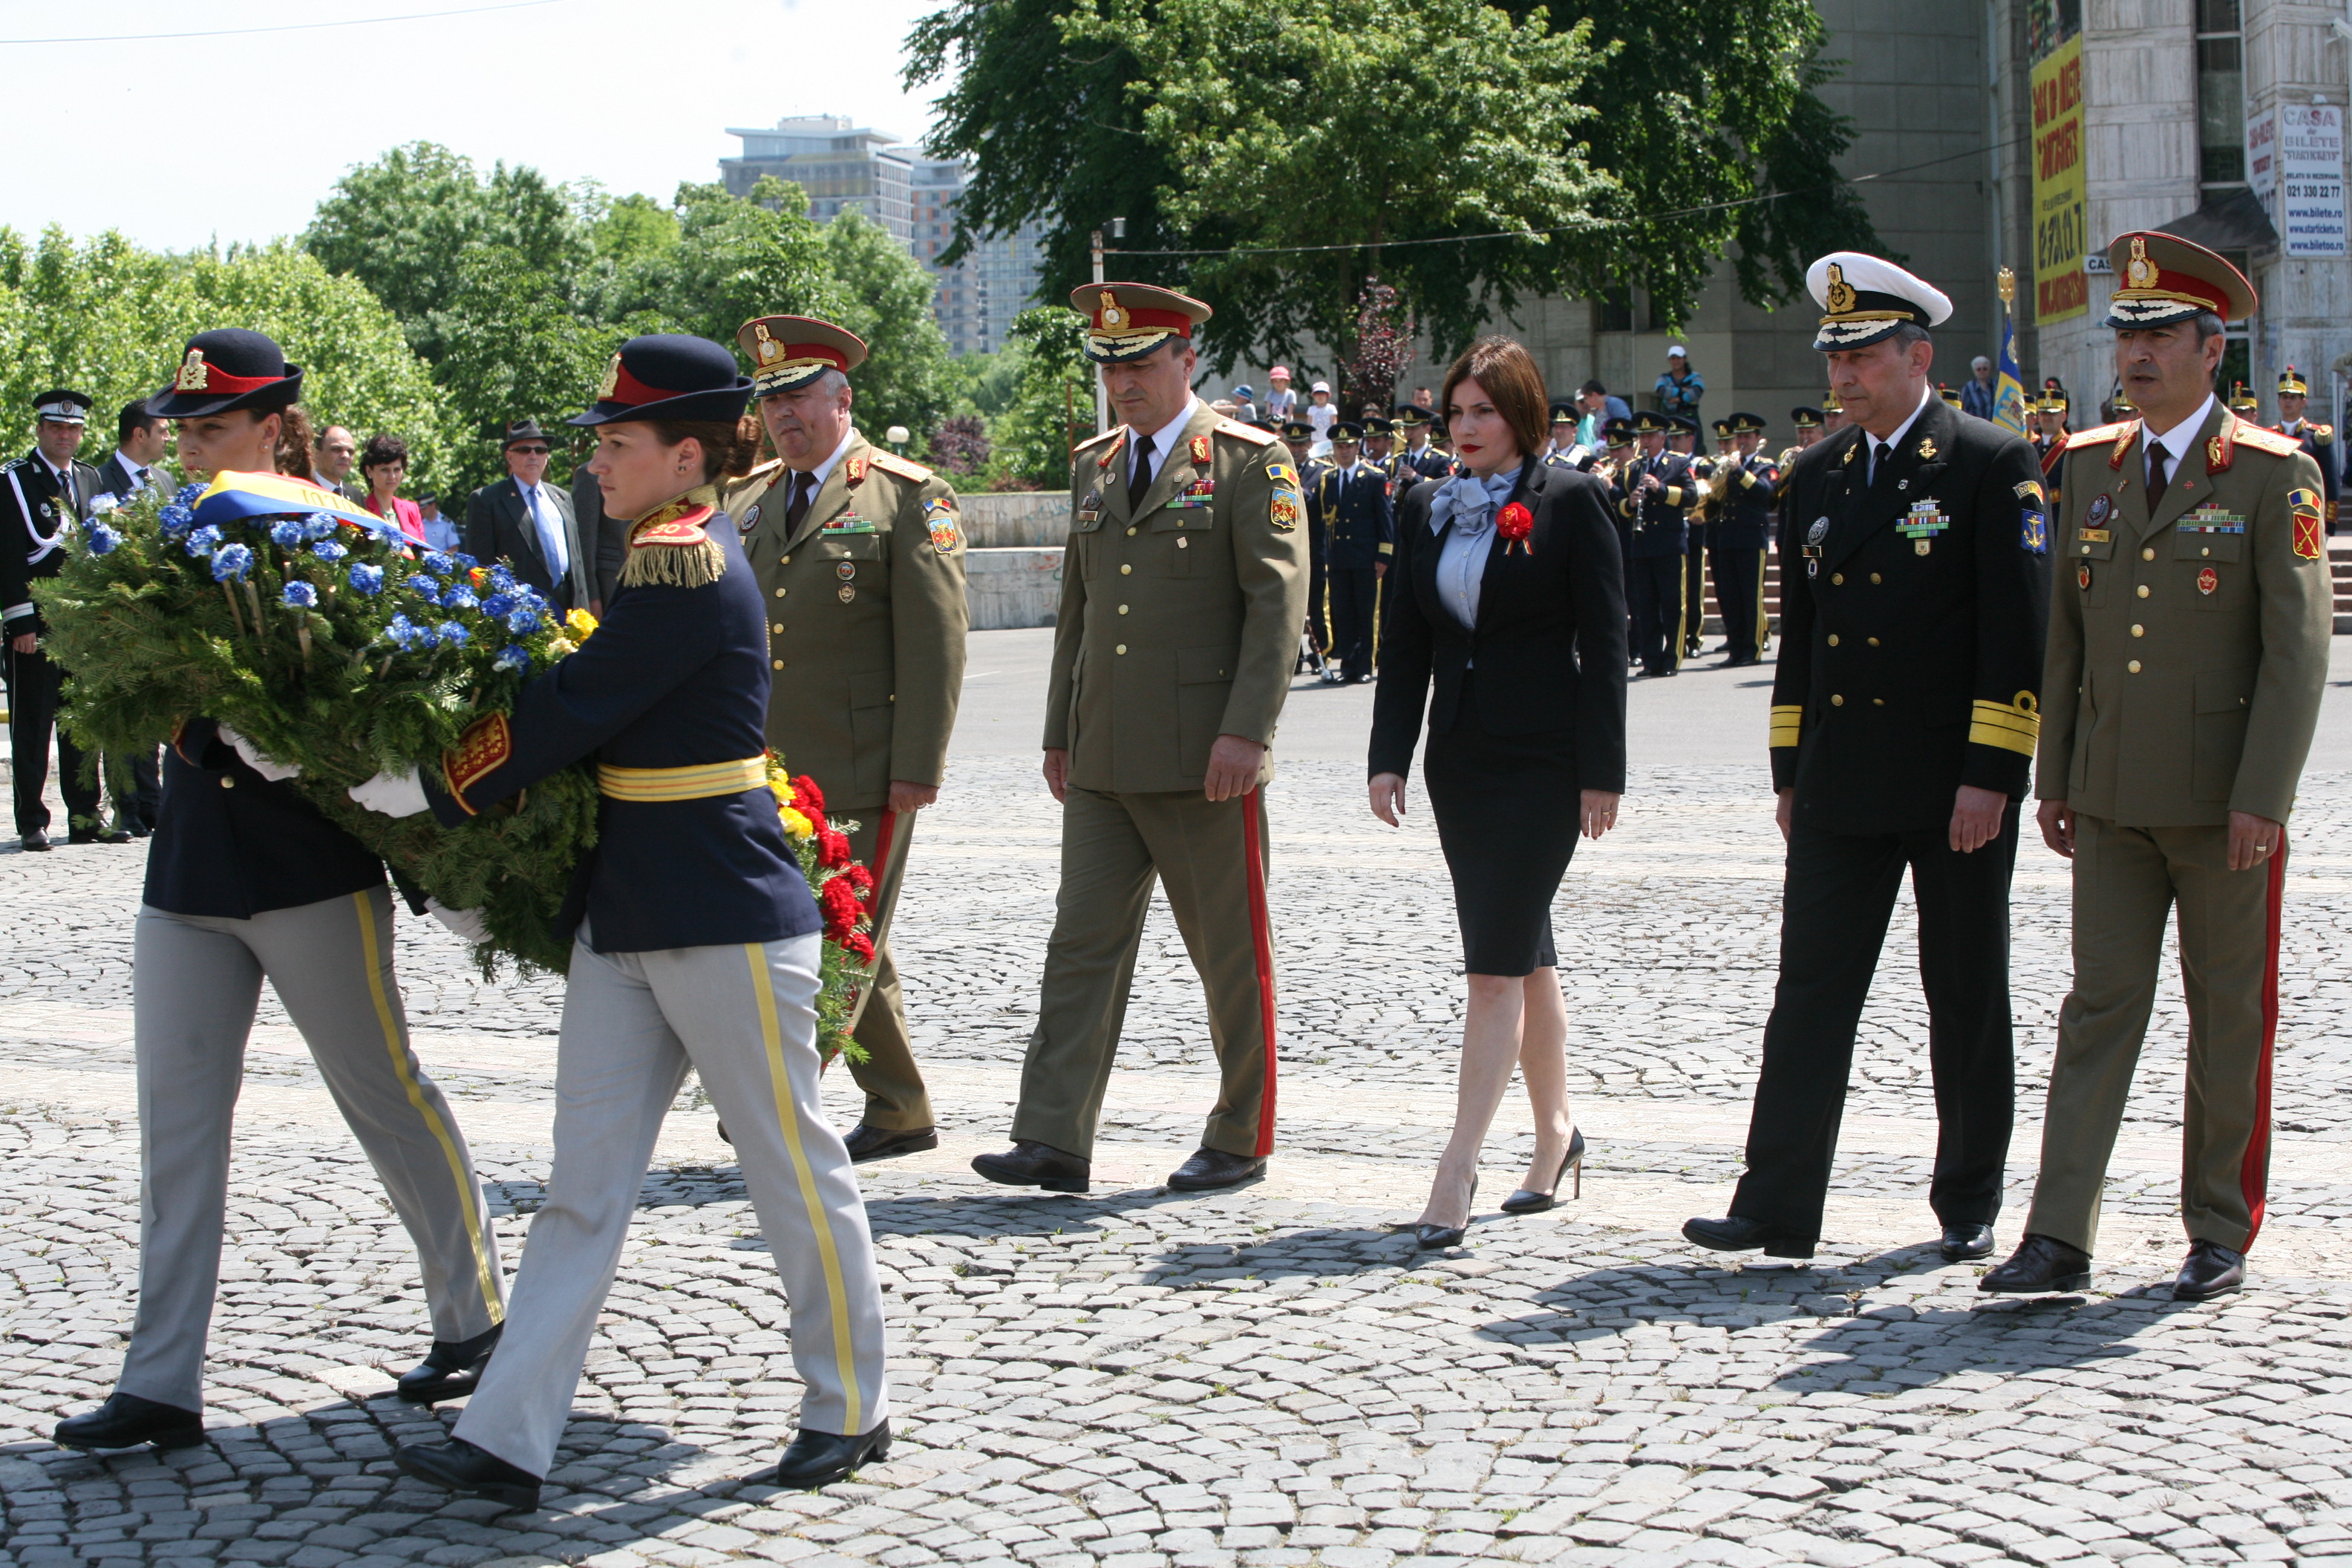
point(667, 375)
point(2161, 280)
point(231, 368)
point(1128, 320)
point(789, 351)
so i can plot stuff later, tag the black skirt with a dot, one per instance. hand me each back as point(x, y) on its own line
point(1508, 811)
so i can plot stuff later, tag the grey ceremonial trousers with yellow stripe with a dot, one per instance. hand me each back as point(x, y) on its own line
point(1179, 623)
point(866, 620)
point(744, 1018)
point(2189, 649)
point(197, 980)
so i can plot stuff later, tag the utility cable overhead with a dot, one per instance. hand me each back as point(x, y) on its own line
point(280, 27)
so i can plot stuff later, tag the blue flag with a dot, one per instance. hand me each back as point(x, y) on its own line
point(2009, 397)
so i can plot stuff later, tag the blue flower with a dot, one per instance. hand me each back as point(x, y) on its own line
point(366, 579)
point(426, 588)
point(102, 539)
point(301, 595)
point(439, 563)
point(426, 636)
point(319, 525)
point(175, 518)
point(498, 604)
point(231, 561)
point(401, 630)
point(328, 551)
point(459, 599)
point(501, 579)
point(463, 560)
point(187, 495)
point(453, 634)
point(285, 533)
point(514, 655)
point(203, 542)
point(523, 621)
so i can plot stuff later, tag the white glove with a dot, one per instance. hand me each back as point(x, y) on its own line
point(244, 748)
point(394, 795)
point(467, 923)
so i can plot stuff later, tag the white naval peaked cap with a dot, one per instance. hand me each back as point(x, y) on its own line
point(1866, 297)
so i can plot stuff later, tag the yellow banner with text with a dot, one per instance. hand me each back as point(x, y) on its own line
point(2060, 288)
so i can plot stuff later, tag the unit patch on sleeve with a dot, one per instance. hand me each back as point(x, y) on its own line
point(2310, 534)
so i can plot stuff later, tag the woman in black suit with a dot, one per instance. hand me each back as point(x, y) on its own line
point(1513, 610)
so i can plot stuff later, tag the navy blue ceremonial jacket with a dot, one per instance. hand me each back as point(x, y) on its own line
point(1357, 516)
point(232, 844)
point(674, 676)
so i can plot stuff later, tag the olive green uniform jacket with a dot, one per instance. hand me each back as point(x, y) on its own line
point(1180, 619)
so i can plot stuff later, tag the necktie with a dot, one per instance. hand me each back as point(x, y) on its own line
point(1141, 480)
point(1878, 458)
point(796, 506)
point(2157, 482)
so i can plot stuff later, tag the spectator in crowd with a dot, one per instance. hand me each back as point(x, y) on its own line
point(384, 466)
point(604, 541)
point(529, 523)
point(332, 457)
point(1320, 412)
point(1598, 410)
point(1678, 391)
point(1280, 401)
point(440, 532)
point(1244, 401)
point(1978, 397)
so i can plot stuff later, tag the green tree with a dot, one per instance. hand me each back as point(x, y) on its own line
point(1052, 407)
point(404, 223)
point(735, 257)
point(512, 350)
point(886, 298)
point(109, 318)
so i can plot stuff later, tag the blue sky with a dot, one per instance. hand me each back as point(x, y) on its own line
point(176, 142)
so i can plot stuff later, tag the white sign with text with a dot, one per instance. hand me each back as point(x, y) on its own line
point(2311, 179)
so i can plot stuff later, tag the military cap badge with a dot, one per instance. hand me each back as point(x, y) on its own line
point(193, 377)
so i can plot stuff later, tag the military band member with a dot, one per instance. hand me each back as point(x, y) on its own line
point(42, 494)
point(247, 882)
point(695, 943)
point(1181, 598)
point(1948, 395)
point(1903, 718)
point(2318, 441)
point(1425, 459)
point(1379, 442)
point(2188, 647)
point(1352, 503)
point(1805, 426)
point(1747, 486)
point(859, 557)
point(1300, 436)
point(1685, 440)
point(1654, 494)
point(1833, 412)
point(1566, 418)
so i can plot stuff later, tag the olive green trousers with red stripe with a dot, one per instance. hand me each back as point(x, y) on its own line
point(2127, 881)
point(1211, 857)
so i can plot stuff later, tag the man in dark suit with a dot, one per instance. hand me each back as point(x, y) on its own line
point(1904, 713)
point(42, 494)
point(142, 441)
point(529, 523)
point(1653, 495)
point(1747, 485)
point(332, 454)
point(1350, 504)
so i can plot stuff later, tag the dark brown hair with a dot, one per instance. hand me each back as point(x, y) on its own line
point(383, 449)
point(1506, 373)
point(294, 455)
point(731, 450)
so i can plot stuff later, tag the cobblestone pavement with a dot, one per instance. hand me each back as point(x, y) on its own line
point(1254, 1379)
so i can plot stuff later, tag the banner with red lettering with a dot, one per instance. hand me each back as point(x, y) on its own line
point(2060, 288)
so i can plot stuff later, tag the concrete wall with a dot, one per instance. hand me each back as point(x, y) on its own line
point(1013, 560)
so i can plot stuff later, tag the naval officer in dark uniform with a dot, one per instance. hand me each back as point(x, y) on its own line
point(1746, 489)
point(1655, 494)
point(1905, 712)
point(1350, 502)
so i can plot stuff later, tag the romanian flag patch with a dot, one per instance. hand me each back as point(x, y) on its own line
point(2310, 531)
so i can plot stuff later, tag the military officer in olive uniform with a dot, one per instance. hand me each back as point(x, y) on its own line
point(1352, 503)
point(1181, 596)
point(1747, 485)
point(1903, 711)
point(2318, 441)
point(1654, 494)
point(42, 494)
point(859, 554)
point(2188, 645)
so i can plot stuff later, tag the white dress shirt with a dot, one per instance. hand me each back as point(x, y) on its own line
point(2179, 440)
point(816, 476)
point(1870, 458)
point(1163, 441)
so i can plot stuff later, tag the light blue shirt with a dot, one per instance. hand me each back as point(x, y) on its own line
point(1469, 503)
point(550, 524)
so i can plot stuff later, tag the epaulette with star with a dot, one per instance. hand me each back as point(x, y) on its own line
point(2103, 432)
point(905, 468)
point(1249, 433)
point(670, 546)
point(2263, 438)
point(1113, 434)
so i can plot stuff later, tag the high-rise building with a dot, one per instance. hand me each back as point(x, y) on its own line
point(840, 165)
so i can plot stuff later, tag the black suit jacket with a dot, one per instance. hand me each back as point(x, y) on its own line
point(499, 527)
point(116, 478)
point(21, 535)
point(1550, 643)
point(1356, 516)
point(1905, 674)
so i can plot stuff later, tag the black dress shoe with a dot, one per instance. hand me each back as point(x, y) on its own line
point(97, 835)
point(1029, 1163)
point(125, 1421)
point(814, 1459)
point(2042, 1265)
point(867, 1143)
point(1526, 1200)
point(452, 1369)
point(1737, 1233)
point(140, 830)
point(2213, 1269)
point(1963, 1242)
point(459, 1467)
point(1211, 1168)
point(35, 839)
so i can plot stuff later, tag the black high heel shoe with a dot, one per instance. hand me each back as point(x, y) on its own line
point(1431, 1237)
point(1526, 1201)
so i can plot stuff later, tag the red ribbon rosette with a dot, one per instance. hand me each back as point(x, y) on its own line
point(1515, 522)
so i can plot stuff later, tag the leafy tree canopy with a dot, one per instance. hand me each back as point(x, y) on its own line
point(886, 298)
